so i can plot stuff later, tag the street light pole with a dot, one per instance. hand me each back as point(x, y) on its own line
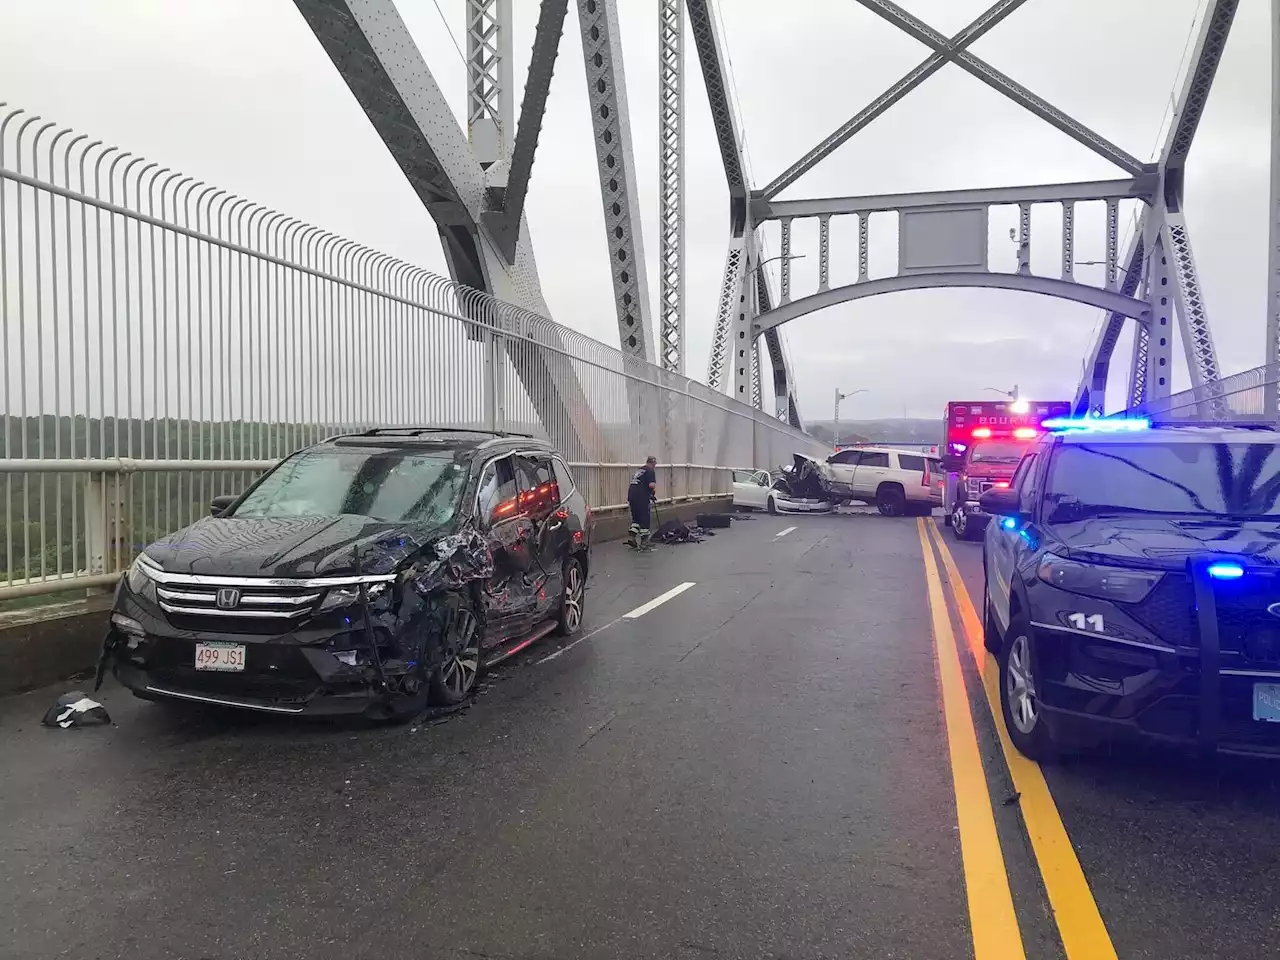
point(788, 256)
point(836, 423)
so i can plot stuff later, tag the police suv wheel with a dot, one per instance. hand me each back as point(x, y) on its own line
point(1018, 700)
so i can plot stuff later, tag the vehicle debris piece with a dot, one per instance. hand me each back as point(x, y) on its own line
point(75, 709)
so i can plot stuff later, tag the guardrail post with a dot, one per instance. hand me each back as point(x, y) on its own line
point(104, 540)
point(494, 415)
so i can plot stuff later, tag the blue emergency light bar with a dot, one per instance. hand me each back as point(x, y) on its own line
point(1225, 571)
point(1097, 425)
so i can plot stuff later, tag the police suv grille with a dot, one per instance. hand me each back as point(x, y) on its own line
point(1169, 611)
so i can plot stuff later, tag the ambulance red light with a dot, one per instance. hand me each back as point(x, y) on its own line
point(981, 433)
point(1025, 433)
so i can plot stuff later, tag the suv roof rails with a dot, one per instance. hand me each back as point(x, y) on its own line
point(414, 431)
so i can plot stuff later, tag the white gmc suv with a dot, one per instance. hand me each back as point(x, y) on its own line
point(896, 481)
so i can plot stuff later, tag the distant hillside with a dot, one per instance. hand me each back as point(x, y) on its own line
point(893, 430)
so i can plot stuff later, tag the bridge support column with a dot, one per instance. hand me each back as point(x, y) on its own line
point(1159, 340)
point(742, 340)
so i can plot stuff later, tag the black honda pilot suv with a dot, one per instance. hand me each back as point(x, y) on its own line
point(370, 573)
point(1132, 587)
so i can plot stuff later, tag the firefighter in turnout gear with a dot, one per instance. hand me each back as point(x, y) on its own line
point(642, 492)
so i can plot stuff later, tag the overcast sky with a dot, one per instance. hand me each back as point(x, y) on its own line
point(239, 92)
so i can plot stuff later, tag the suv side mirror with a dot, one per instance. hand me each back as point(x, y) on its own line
point(1001, 502)
point(218, 504)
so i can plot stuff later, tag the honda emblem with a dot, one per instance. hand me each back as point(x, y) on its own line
point(228, 598)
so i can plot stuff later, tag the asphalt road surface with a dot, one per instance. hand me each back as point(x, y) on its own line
point(773, 744)
point(1183, 856)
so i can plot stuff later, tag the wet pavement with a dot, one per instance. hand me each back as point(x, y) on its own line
point(754, 768)
point(1183, 856)
point(757, 766)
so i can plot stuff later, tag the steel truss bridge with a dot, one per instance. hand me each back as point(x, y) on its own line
point(106, 239)
point(475, 185)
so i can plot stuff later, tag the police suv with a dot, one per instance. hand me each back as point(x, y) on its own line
point(1132, 587)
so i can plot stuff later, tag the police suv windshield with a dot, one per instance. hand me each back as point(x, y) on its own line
point(1238, 480)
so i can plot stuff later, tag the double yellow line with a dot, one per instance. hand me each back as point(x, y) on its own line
point(991, 913)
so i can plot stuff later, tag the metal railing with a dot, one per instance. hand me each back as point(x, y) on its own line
point(165, 341)
point(1240, 396)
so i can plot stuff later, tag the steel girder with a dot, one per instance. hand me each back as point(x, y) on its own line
point(917, 28)
point(1091, 395)
point(671, 254)
point(1165, 237)
point(742, 253)
point(490, 80)
point(931, 65)
point(711, 60)
point(1136, 188)
point(1158, 348)
point(508, 201)
point(784, 384)
point(611, 126)
point(1193, 322)
point(374, 53)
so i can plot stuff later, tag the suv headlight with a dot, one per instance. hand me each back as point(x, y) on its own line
point(345, 596)
point(1107, 583)
point(139, 577)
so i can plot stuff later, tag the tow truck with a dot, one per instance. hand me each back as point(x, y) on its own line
point(983, 440)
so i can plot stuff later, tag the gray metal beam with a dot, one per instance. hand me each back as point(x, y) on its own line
point(1028, 283)
point(917, 28)
point(880, 104)
point(1158, 382)
point(1189, 105)
point(611, 125)
point(1193, 323)
point(1092, 391)
point(712, 59)
point(784, 384)
point(1136, 395)
point(490, 80)
point(1141, 188)
point(706, 40)
point(671, 252)
point(731, 283)
point(374, 53)
point(508, 204)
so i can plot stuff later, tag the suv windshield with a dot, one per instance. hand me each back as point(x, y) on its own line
point(382, 485)
point(1212, 478)
point(997, 453)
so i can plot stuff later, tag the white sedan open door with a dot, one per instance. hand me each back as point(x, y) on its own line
point(750, 489)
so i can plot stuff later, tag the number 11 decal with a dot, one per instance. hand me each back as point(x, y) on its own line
point(1092, 622)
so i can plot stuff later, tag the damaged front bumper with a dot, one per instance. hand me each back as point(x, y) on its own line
point(786, 504)
point(324, 666)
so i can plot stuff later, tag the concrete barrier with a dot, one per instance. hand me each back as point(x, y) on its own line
point(51, 643)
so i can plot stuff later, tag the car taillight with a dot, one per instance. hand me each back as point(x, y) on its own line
point(1002, 484)
point(925, 479)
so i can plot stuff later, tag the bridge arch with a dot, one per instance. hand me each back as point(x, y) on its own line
point(1109, 300)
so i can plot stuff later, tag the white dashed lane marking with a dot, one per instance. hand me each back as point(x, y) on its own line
point(639, 611)
point(782, 533)
point(658, 601)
